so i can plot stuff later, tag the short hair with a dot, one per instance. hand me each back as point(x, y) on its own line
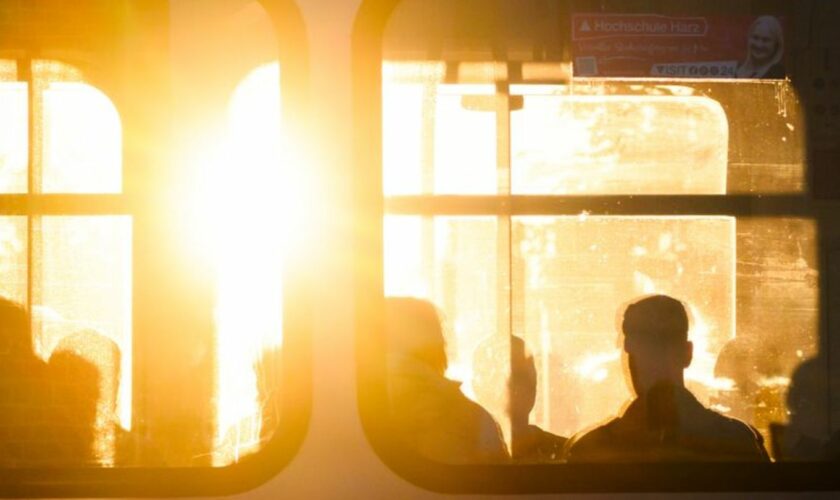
point(658, 318)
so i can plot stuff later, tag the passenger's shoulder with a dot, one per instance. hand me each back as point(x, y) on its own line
point(589, 446)
point(742, 438)
point(732, 427)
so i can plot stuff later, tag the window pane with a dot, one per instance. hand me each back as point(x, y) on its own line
point(778, 374)
point(249, 248)
point(77, 144)
point(82, 326)
point(433, 141)
point(13, 258)
point(82, 148)
point(568, 144)
point(14, 130)
point(750, 286)
point(451, 261)
point(233, 188)
point(601, 137)
point(574, 274)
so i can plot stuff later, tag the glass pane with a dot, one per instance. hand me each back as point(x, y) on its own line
point(82, 145)
point(452, 262)
point(777, 372)
point(82, 327)
point(14, 130)
point(433, 141)
point(164, 396)
point(750, 288)
point(234, 188)
point(13, 259)
point(574, 275)
point(249, 249)
point(567, 144)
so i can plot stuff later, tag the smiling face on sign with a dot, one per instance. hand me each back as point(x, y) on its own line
point(763, 42)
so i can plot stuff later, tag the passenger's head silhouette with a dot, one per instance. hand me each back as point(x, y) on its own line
point(493, 357)
point(656, 342)
point(523, 380)
point(413, 330)
point(15, 336)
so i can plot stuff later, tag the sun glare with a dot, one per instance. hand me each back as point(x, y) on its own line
point(80, 288)
point(250, 196)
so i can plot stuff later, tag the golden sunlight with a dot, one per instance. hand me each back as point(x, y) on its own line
point(82, 136)
point(251, 197)
point(568, 275)
point(14, 125)
point(79, 266)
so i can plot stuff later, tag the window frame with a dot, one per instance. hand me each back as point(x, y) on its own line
point(371, 206)
point(114, 77)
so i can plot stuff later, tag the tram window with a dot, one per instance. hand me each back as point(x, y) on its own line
point(143, 286)
point(528, 210)
point(71, 271)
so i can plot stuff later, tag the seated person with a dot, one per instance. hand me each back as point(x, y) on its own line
point(665, 423)
point(429, 412)
point(529, 443)
point(511, 394)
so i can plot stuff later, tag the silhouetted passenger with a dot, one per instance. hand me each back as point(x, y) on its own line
point(75, 383)
point(429, 411)
point(25, 409)
point(507, 362)
point(85, 376)
point(806, 434)
point(665, 422)
point(736, 363)
point(831, 450)
point(529, 443)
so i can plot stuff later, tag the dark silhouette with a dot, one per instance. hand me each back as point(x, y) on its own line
point(60, 413)
point(665, 423)
point(506, 361)
point(736, 362)
point(429, 411)
point(24, 405)
point(75, 384)
point(529, 443)
point(805, 436)
point(84, 373)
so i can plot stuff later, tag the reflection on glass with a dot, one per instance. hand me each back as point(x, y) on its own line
point(82, 314)
point(566, 144)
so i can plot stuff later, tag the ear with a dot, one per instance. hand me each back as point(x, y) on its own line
point(688, 354)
